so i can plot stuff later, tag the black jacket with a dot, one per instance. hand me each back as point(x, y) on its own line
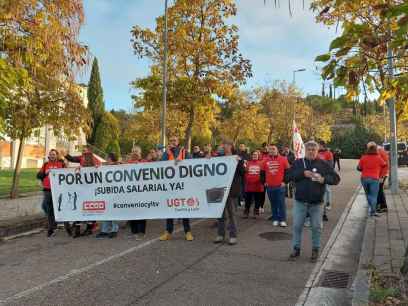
point(236, 185)
point(307, 190)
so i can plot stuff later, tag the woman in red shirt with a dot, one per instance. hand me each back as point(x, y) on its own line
point(254, 189)
point(371, 166)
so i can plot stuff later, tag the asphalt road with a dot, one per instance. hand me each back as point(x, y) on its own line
point(64, 271)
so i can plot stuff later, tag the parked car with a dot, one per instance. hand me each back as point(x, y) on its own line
point(402, 151)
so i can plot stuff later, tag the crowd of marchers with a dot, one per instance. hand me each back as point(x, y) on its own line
point(269, 171)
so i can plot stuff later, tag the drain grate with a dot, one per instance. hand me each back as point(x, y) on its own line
point(275, 236)
point(335, 279)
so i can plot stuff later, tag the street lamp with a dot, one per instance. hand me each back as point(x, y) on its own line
point(164, 101)
point(294, 74)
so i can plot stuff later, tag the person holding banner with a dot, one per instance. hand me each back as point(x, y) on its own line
point(138, 227)
point(87, 159)
point(232, 200)
point(254, 188)
point(177, 153)
point(109, 229)
point(43, 175)
point(310, 175)
point(273, 169)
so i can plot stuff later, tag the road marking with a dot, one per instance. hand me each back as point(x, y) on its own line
point(75, 272)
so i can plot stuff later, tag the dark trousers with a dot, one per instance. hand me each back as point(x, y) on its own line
point(170, 225)
point(253, 196)
point(337, 161)
point(381, 200)
point(138, 226)
point(263, 197)
point(49, 210)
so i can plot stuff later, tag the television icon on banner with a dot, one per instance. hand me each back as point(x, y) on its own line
point(215, 195)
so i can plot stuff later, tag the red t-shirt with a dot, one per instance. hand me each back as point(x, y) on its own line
point(46, 168)
point(253, 176)
point(371, 166)
point(385, 157)
point(274, 167)
point(326, 155)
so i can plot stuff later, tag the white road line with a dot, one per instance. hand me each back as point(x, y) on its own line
point(75, 272)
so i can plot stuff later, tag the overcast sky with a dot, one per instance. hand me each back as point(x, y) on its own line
point(275, 43)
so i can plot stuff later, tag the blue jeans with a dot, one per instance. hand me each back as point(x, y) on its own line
point(109, 227)
point(371, 188)
point(277, 198)
point(300, 210)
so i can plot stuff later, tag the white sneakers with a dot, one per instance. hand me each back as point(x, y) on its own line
point(275, 223)
point(283, 224)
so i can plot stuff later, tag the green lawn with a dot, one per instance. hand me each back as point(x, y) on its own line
point(28, 181)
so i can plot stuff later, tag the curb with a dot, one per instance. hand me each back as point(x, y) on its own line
point(314, 276)
point(15, 227)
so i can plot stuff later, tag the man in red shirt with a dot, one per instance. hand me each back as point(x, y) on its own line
point(43, 175)
point(273, 172)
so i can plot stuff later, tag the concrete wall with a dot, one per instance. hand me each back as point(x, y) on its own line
point(21, 207)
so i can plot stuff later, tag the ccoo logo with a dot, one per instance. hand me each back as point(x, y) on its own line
point(94, 206)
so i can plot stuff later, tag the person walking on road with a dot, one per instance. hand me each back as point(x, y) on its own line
point(273, 171)
point(310, 175)
point(43, 175)
point(232, 199)
point(337, 157)
point(177, 153)
point(381, 200)
point(254, 188)
point(326, 155)
point(371, 166)
point(109, 229)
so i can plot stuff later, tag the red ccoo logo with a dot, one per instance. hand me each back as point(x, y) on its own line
point(94, 206)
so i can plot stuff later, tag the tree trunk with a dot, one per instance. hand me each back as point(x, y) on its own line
point(189, 130)
point(17, 170)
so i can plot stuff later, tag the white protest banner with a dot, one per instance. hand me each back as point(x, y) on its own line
point(192, 188)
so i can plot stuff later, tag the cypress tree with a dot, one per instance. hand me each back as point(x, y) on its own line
point(95, 99)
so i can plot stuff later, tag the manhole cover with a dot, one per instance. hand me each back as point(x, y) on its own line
point(274, 236)
point(335, 279)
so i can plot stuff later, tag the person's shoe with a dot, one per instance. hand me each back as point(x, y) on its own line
point(315, 255)
point(325, 219)
point(376, 215)
point(275, 223)
point(270, 218)
point(139, 237)
point(246, 214)
point(87, 232)
point(189, 236)
point(328, 206)
point(261, 210)
point(77, 231)
point(219, 239)
point(307, 223)
point(68, 229)
point(232, 241)
point(166, 236)
point(294, 255)
point(112, 234)
point(101, 235)
point(256, 213)
point(283, 224)
point(50, 233)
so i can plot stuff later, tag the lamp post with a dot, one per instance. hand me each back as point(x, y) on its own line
point(164, 101)
point(294, 74)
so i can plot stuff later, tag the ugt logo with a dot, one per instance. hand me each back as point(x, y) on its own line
point(94, 206)
point(183, 202)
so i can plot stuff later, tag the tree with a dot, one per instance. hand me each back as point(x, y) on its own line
point(204, 59)
point(357, 59)
point(39, 45)
point(107, 133)
point(243, 120)
point(95, 99)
